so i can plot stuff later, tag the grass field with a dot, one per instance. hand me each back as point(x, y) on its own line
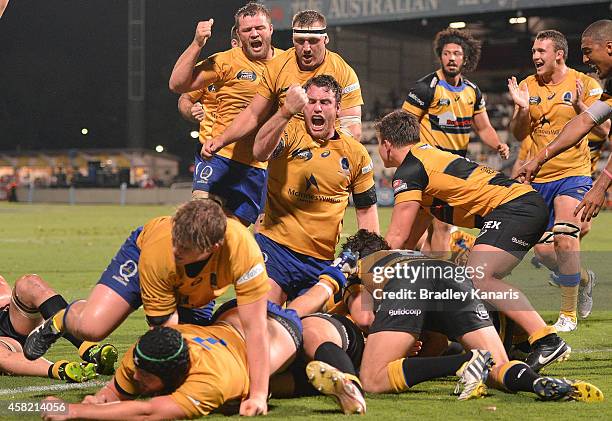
point(70, 246)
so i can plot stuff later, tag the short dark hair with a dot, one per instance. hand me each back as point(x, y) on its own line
point(164, 352)
point(365, 243)
point(558, 39)
point(471, 46)
point(399, 127)
point(198, 225)
point(599, 31)
point(308, 18)
point(328, 82)
point(251, 9)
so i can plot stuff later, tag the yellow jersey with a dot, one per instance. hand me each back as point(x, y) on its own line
point(309, 183)
point(451, 188)
point(550, 108)
point(283, 71)
point(165, 285)
point(524, 151)
point(207, 98)
point(218, 371)
point(446, 112)
point(237, 79)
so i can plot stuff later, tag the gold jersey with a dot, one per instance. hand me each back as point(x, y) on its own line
point(525, 149)
point(237, 79)
point(446, 112)
point(550, 108)
point(309, 183)
point(165, 285)
point(451, 188)
point(283, 71)
point(218, 371)
point(206, 97)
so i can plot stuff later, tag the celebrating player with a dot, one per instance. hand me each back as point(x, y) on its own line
point(448, 106)
point(232, 175)
point(544, 103)
point(189, 370)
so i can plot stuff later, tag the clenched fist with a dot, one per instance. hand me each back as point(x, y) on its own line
point(295, 100)
point(203, 32)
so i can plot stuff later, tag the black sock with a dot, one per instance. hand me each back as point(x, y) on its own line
point(417, 370)
point(520, 378)
point(332, 354)
point(302, 386)
point(50, 307)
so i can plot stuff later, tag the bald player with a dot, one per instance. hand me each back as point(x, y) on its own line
point(596, 52)
point(544, 103)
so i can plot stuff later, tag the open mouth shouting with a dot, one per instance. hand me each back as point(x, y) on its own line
point(318, 123)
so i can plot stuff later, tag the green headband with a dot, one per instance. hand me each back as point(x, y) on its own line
point(159, 360)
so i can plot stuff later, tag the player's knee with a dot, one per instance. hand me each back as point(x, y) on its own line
point(28, 286)
point(566, 235)
point(373, 381)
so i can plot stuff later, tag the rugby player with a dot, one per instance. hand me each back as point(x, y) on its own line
point(448, 105)
point(544, 103)
point(189, 371)
point(23, 309)
point(176, 265)
point(398, 322)
point(511, 216)
point(232, 175)
point(313, 168)
point(309, 57)
point(596, 52)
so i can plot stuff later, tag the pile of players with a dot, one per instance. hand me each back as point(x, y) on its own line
point(279, 148)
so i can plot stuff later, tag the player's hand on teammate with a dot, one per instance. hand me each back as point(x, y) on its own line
point(503, 150)
point(203, 32)
point(295, 100)
point(528, 171)
point(253, 406)
point(520, 95)
point(197, 111)
point(592, 202)
point(211, 147)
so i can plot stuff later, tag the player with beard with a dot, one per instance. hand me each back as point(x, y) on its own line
point(596, 52)
point(313, 168)
point(309, 57)
point(232, 175)
point(448, 106)
point(544, 103)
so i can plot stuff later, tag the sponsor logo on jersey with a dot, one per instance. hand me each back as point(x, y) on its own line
point(246, 75)
point(567, 97)
point(325, 154)
point(350, 88)
point(481, 312)
point(211, 88)
point(251, 274)
point(595, 92)
point(367, 168)
point(127, 270)
point(304, 154)
point(416, 99)
point(444, 101)
point(311, 181)
point(399, 186)
point(535, 100)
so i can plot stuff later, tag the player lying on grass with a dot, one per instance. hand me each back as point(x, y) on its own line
point(181, 263)
point(188, 370)
point(400, 318)
point(21, 310)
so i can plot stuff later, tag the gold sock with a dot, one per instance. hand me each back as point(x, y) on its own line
point(501, 373)
point(86, 346)
point(395, 372)
point(540, 333)
point(58, 320)
point(569, 301)
point(54, 369)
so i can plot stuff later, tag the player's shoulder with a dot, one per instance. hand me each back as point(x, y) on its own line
point(430, 80)
point(531, 80)
point(281, 60)
point(355, 148)
point(471, 84)
point(235, 231)
point(337, 60)
point(158, 224)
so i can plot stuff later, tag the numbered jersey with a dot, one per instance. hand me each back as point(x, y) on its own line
point(452, 189)
point(218, 371)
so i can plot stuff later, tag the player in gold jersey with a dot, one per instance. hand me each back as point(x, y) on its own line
point(511, 216)
point(232, 175)
point(313, 169)
point(309, 57)
point(175, 267)
point(544, 103)
point(596, 52)
point(449, 106)
point(189, 371)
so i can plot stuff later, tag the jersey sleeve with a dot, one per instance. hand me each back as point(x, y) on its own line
point(198, 397)
point(351, 90)
point(363, 179)
point(124, 375)
point(196, 95)
point(248, 268)
point(479, 104)
point(419, 98)
point(211, 68)
point(592, 91)
point(410, 180)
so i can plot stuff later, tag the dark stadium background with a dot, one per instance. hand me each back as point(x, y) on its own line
point(63, 65)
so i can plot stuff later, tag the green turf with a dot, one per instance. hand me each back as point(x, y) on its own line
point(70, 246)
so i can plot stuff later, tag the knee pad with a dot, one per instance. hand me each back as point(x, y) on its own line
point(547, 238)
point(28, 312)
point(566, 228)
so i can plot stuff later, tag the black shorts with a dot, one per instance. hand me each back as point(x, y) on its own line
point(459, 313)
point(515, 226)
point(353, 342)
point(6, 327)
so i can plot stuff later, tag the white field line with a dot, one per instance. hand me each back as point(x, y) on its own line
point(51, 388)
